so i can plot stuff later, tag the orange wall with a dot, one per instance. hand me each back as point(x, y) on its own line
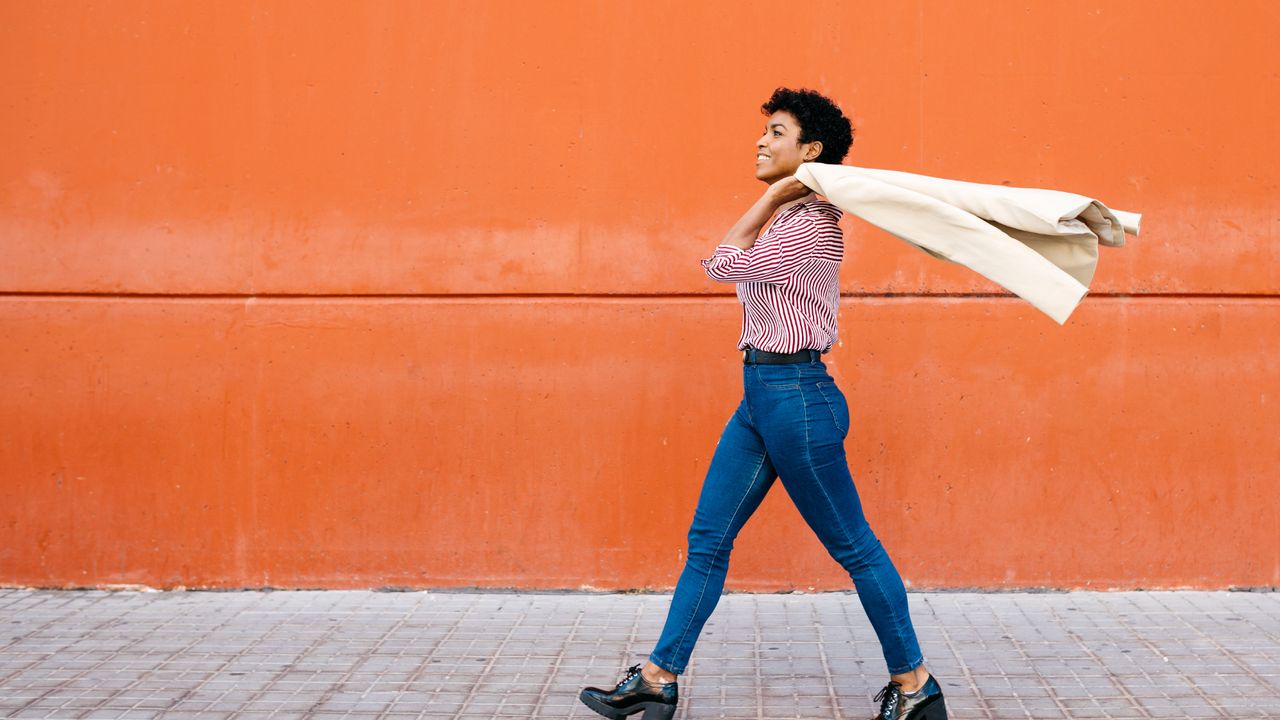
point(295, 294)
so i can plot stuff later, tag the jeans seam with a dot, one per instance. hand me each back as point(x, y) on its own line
point(831, 407)
point(684, 632)
point(808, 449)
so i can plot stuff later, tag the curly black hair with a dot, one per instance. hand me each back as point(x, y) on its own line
point(820, 120)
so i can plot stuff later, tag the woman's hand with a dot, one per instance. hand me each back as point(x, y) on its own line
point(743, 233)
point(787, 189)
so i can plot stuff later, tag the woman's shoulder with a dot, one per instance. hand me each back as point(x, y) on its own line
point(813, 217)
point(815, 211)
point(823, 208)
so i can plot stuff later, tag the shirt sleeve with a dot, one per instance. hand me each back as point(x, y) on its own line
point(775, 256)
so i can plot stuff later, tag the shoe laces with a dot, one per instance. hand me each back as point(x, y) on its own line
point(891, 695)
point(631, 672)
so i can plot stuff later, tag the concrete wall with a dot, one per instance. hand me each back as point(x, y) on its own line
point(332, 295)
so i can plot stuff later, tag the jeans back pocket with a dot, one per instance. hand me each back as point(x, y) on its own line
point(837, 404)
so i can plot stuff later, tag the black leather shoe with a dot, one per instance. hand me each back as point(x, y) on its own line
point(632, 695)
point(924, 704)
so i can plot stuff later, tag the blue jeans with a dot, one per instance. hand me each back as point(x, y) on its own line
point(791, 425)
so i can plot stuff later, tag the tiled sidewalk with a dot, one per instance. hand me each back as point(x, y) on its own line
point(363, 654)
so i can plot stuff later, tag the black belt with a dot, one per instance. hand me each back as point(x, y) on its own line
point(752, 356)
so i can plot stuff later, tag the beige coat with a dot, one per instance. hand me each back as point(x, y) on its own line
point(1041, 245)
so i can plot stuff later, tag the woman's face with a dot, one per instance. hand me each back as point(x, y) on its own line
point(779, 151)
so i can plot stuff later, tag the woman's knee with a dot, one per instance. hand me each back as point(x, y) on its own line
point(709, 547)
point(855, 549)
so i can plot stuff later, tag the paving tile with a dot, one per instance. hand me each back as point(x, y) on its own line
point(362, 654)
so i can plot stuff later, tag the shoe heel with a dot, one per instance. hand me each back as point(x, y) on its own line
point(659, 711)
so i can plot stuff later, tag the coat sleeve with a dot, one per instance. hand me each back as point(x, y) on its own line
point(774, 258)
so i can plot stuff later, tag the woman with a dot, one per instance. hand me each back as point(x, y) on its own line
point(790, 425)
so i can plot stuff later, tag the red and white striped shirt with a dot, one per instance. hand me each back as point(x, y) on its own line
point(788, 282)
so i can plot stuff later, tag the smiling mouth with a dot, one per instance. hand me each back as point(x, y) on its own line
point(761, 157)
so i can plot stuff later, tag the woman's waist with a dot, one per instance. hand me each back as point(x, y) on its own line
point(758, 356)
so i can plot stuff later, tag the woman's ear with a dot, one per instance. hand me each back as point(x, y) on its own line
point(814, 152)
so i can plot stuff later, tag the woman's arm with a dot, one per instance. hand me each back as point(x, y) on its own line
point(744, 232)
point(774, 256)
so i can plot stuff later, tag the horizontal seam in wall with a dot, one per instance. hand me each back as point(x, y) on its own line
point(600, 296)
